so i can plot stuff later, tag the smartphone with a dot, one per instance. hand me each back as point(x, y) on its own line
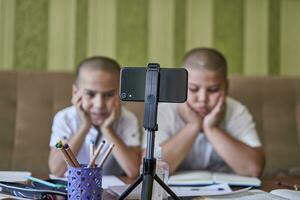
point(172, 86)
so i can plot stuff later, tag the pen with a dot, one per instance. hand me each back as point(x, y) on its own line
point(45, 182)
point(71, 154)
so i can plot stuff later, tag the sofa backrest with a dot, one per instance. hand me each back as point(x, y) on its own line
point(275, 105)
point(29, 100)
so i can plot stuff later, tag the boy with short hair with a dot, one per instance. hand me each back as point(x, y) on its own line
point(210, 131)
point(97, 115)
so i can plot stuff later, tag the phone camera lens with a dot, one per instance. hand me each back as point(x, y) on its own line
point(123, 95)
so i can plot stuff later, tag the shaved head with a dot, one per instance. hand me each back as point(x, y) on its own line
point(206, 58)
point(98, 63)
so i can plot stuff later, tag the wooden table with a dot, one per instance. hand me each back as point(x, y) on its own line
point(268, 184)
point(280, 182)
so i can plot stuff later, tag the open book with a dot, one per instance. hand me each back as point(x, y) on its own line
point(198, 178)
point(278, 194)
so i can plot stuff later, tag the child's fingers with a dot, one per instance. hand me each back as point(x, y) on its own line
point(76, 98)
point(73, 100)
point(220, 104)
point(181, 110)
point(78, 104)
point(188, 108)
point(117, 106)
point(185, 109)
point(78, 101)
point(117, 103)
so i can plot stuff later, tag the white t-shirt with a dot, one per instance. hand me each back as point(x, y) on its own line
point(237, 122)
point(66, 123)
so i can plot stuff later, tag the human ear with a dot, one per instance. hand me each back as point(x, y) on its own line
point(226, 88)
point(74, 92)
point(74, 89)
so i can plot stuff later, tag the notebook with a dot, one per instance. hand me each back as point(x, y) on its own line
point(6, 196)
point(278, 194)
point(22, 190)
point(198, 178)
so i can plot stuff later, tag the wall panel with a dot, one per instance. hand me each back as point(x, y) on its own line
point(258, 37)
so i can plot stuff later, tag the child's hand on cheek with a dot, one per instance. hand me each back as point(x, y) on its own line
point(114, 115)
point(213, 119)
point(85, 121)
point(189, 116)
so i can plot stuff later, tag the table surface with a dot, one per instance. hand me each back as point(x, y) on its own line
point(268, 184)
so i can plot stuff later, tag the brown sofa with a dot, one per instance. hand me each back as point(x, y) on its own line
point(29, 100)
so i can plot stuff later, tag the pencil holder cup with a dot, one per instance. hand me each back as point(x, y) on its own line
point(84, 183)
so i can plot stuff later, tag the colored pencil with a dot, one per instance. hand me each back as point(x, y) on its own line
point(59, 145)
point(92, 161)
point(106, 155)
point(45, 182)
point(71, 154)
point(92, 148)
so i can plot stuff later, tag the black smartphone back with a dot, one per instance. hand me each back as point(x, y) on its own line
point(173, 84)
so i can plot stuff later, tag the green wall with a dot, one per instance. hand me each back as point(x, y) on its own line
point(258, 37)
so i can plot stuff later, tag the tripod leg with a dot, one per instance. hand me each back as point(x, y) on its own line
point(166, 188)
point(131, 187)
point(147, 187)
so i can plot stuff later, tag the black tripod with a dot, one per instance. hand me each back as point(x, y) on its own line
point(150, 125)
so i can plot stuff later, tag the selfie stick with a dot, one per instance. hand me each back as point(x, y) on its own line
point(150, 125)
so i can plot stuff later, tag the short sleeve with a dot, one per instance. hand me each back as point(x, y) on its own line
point(241, 125)
point(129, 128)
point(61, 128)
point(165, 119)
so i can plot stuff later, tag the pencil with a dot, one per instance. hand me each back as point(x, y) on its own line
point(71, 154)
point(33, 179)
point(92, 148)
point(106, 155)
point(92, 161)
point(59, 145)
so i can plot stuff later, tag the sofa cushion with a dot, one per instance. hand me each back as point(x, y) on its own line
point(274, 103)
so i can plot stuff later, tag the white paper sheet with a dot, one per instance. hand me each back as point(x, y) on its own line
point(14, 176)
point(215, 189)
point(289, 194)
point(108, 181)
